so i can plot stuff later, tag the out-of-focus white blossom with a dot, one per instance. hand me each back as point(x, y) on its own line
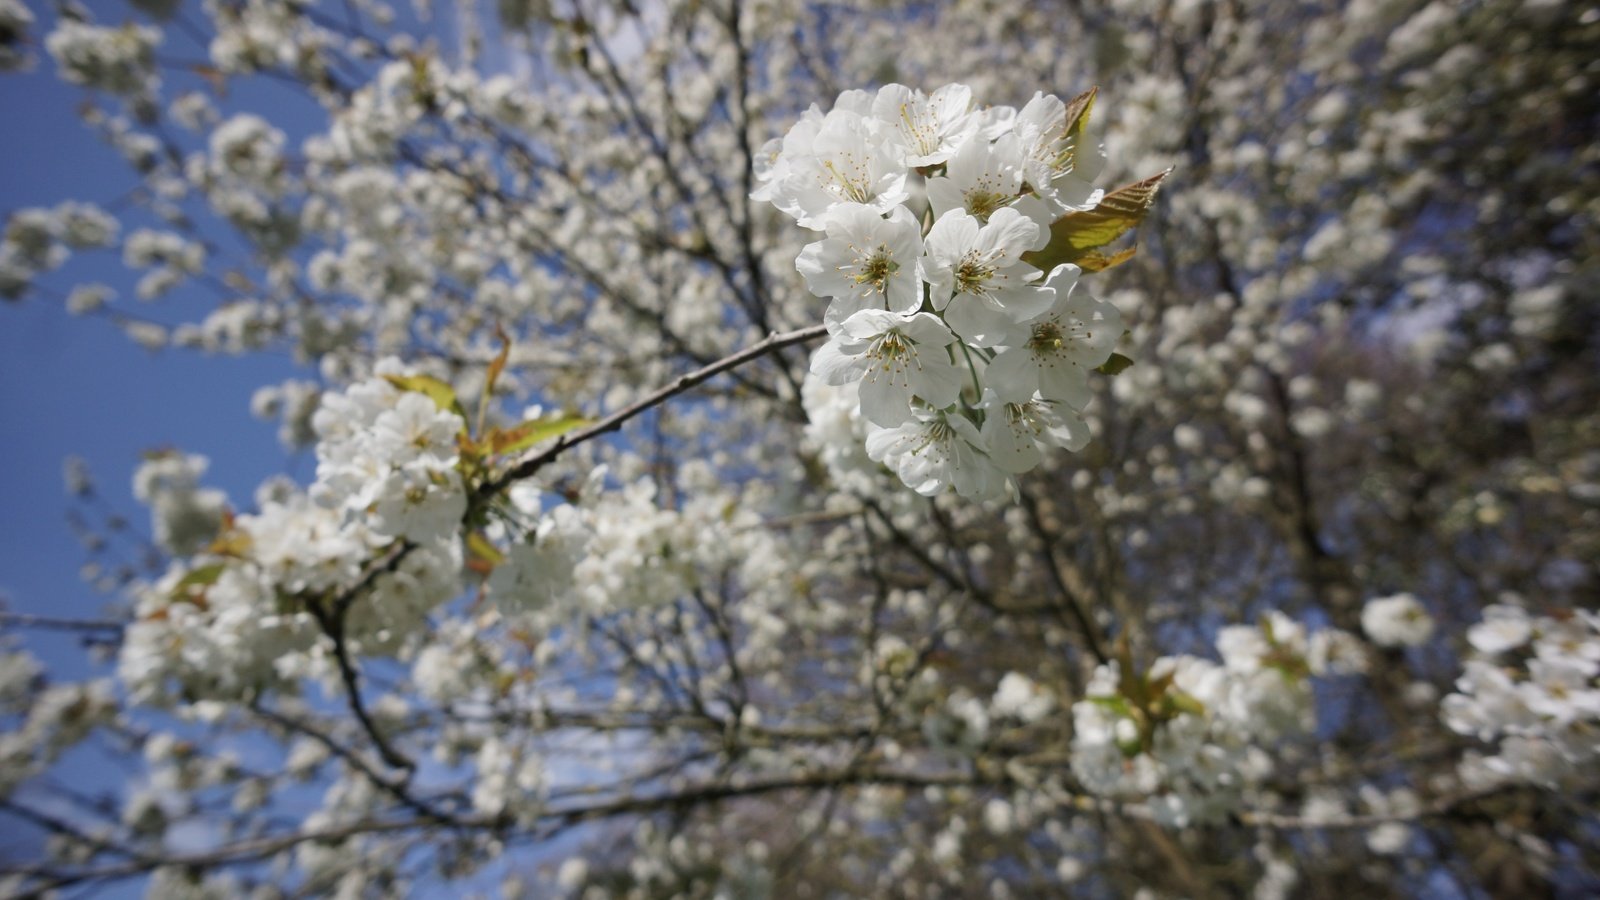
point(119, 60)
point(1396, 621)
point(1191, 737)
point(1531, 693)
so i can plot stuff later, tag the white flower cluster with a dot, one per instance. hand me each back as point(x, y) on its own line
point(169, 257)
point(29, 247)
point(19, 676)
point(234, 618)
point(969, 361)
point(1397, 621)
point(249, 148)
point(293, 403)
point(257, 34)
point(14, 21)
point(184, 516)
point(246, 177)
point(618, 550)
point(1190, 736)
point(836, 433)
point(507, 775)
point(389, 457)
point(38, 240)
point(1533, 687)
point(53, 719)
point(118, 60)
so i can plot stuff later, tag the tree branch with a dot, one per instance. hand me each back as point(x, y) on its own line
point(537, 460)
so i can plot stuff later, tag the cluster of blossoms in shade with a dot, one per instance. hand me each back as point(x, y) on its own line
point(373, 547)
point(970, 360)
point(238, 612)
point(1531, 690)
point(1192, 737)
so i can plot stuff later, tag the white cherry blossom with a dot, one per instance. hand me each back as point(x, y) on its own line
point(935, 451)
point(896, 359)
point(1056, 167)
point(1017, 434)
point(866, 262)
point(980, 178)
point(976, 276)
point(927, 128)
point(1396, 621)
point(1054, 352)
point(843, 157)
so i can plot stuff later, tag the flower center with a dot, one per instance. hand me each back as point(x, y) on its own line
point(1047, 338)
point(981, 202)
point(972, 274)
point(936, 435)
point(1065, 159)
point(921, 126)
point(841, 185)
point(876, 269)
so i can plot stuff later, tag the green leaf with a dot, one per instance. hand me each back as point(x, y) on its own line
point(514, 440)
point(231, 542)
point(1113, 704)
point(1180, 702)
point(1155, 687)
point(482, 555)
point(442, 394)
point(1115, 364)
point(1078, 109)
point(1074, 235)
point(479, 545)
point(1074, 130)
point(204, 576)
point(1095, 261)
point(496, 366)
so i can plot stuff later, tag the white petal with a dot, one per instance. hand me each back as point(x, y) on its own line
point(1008, 233)
point(978, 320)
point(884, 401)
point(1065, 383)
point(1013, 375)
point(869, 323)
point(938, 382)
point(952, 235)
point(944, 195)
point(834, 367)
point(1042, 216)
point(1027, 302)
point(926, 330)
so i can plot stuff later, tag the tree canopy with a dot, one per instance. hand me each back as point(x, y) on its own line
point(806, 449)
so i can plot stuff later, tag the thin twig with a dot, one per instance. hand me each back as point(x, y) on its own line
point(537, 460)
point(29, 620)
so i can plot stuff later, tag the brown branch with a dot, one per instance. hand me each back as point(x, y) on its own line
point(29, 620)
point(255, 849)
point(554, 820)
point(394, 788)
point(537, 460)
point(1086, 627)
point(331, 617)
point(1441, 808)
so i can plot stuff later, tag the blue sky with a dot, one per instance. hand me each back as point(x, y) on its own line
point(71, 386)
point(74, 386)
point(78, 386)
